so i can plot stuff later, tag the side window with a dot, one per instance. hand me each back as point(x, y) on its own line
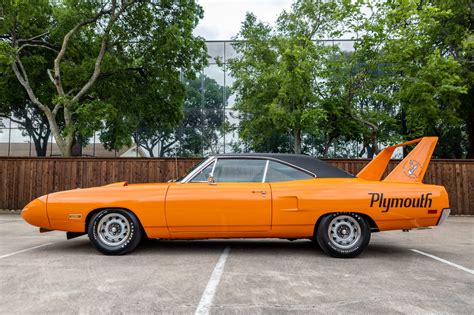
point(201, 177)
point(278, 172)
point(239, 170)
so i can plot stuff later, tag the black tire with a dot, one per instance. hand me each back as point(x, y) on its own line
point(315, 242)
point(353, 234)
point(123, 231)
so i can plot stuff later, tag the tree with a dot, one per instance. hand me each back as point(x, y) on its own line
point(15, 105)
point(279, 73)
point(421, 81)
point(34, 124)
point(409, 76)
point(200, 127)
point(111, 63)
point(453, 36)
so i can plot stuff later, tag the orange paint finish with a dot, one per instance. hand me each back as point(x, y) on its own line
point(282, 209)
point(320, 196)
point(146, 201)
point(288, 209)
point(35, 212)
point(223, 207)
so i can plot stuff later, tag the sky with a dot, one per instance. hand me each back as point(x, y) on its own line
point(222, 18)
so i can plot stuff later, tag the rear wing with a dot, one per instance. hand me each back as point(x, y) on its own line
point(411, 169)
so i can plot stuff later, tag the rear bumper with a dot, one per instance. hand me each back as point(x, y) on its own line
point(444, 215)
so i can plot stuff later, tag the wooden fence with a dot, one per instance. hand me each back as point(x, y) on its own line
point(23, 179)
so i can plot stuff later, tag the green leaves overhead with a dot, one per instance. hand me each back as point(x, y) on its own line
point(409, 75)
point(280, 72)
point(109, 65)
point(117, 67)
point(421, 71)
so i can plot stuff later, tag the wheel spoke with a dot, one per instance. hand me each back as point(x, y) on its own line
point(114, 229)
point(344, 231)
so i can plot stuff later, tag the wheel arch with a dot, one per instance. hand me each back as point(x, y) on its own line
point(94, 211)
point(373, 225)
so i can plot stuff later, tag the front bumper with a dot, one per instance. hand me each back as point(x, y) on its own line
point(444, 215)
point(35, 213)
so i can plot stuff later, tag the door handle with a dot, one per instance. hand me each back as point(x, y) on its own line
point(263, 192)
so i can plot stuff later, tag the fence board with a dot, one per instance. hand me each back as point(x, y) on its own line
point(22, 179)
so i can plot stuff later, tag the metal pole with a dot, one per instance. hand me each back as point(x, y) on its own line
point(93, 146)
point(9, 136)
point(51, 146)
point(202, 112)
point(224, 103)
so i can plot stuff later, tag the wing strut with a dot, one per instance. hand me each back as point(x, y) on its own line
point(411, 169)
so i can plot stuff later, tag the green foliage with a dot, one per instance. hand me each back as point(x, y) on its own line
point(410, 75)
point(421, 77)
point(198, 130)
point(148, 45)
point(281, 73)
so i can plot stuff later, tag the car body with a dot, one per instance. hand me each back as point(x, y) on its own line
point(255, 196)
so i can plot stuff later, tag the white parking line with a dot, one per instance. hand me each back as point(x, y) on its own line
point(211, 287)
point(24, 250)
point(444, 261)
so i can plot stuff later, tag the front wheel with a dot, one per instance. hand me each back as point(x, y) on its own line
point(114, 231)
point(343, 235)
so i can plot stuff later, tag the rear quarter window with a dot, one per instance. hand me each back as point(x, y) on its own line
point(279, 172)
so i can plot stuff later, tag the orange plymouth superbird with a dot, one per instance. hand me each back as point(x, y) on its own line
point(255, 196)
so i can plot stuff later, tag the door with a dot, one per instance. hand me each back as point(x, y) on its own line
point(237, 200)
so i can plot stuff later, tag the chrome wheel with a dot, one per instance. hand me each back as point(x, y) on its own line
point(113, 229)
point(344, 231)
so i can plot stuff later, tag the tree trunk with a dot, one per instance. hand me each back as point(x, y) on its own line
point(76, 148)
point(372, 147)
point(41, 143)
point(150, 151)
point(297, 141)
point(327, 145)
point(370, 152)
point(40, 133)
point(64, 144)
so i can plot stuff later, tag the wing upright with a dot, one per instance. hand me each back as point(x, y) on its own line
point(411, 169)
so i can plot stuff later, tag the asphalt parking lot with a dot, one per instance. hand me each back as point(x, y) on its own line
point(44, 273)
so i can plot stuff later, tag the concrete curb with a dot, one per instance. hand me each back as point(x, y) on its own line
point(6, 211)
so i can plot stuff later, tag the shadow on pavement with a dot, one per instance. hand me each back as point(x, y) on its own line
point(153, 247)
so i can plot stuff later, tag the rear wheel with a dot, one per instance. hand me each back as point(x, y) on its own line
point(343, 235)
point(114, 231)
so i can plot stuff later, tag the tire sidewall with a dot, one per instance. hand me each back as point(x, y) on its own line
point(331, 249)
point(132, 241)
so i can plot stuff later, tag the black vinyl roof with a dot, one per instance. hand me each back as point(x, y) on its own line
point(313, 165)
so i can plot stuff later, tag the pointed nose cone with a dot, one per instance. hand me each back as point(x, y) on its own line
point(35, 212)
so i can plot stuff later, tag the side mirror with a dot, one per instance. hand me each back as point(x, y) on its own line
point(210, 180)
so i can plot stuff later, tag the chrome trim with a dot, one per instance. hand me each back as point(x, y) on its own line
point(265, 171)
point(444, 215)
point(268, 158)
point(191, 175)
point(214, 166)
point(194, 172)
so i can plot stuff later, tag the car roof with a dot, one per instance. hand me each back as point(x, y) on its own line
point(311, 164)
